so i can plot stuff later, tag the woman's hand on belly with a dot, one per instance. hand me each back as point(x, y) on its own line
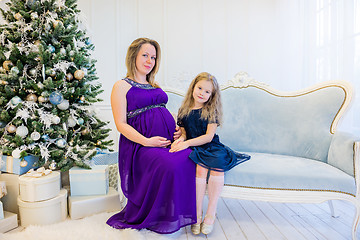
point(157, 141)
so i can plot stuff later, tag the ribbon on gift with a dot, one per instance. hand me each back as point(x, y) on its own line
point(2, 162)
point(9, 163)
point(38, 173)
point(3, 191)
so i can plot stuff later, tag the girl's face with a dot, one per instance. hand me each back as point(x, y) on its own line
point(145, 60)
point(202, 92)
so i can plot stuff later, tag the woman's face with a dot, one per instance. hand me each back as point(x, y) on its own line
point(145, 60)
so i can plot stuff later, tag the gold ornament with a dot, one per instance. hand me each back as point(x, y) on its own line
point(11, 128)
point(17, 16)
point(69, 77)
point(79, 74)
point(37, 43)
point(42, 99)
point(85, 131)
point(56, 23)
point(31, 97)
point(23, 163)
point(82, 98)
point(7, 65)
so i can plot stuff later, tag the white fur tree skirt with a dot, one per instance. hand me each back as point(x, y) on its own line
point(90, 228)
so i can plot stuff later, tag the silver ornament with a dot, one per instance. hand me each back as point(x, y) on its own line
point(52, 165)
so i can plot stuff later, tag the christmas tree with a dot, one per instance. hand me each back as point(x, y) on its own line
point(48, 85)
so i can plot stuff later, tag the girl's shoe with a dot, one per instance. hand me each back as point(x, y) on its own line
point(195, 228)
point(207, 228)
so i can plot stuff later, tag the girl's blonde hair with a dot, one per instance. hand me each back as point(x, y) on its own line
point(132, 53)
point(212, 109)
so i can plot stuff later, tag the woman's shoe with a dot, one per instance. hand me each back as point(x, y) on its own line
point(207, 228)
point(195, 228)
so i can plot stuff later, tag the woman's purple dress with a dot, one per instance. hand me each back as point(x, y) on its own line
point(159, 185)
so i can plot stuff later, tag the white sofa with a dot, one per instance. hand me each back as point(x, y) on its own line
point(296, 153)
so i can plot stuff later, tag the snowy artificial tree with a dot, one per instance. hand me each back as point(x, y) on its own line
point(48, 85)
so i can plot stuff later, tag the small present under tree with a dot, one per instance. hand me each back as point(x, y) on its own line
point(48, 85)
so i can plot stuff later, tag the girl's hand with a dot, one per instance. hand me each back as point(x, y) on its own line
point(177, 132)
point(178, 145)
point(157, 141)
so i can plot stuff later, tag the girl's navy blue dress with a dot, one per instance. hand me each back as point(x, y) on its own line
point(213, 155)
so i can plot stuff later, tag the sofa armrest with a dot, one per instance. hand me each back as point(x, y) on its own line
point(342, 152)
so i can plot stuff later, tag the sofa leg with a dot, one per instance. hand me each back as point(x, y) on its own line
point(356, 222)
point(332, 209)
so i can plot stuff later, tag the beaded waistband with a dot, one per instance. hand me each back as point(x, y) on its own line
point(135, 112)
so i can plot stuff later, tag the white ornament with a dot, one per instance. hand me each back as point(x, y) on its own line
point(34, 15)
point(62, 51)
point(16, 153)
point(35, 136)
point(71, 122)
point(40, 85)
point(63, 105)
point(60, 142)
point(56, 120)
point(22, 131)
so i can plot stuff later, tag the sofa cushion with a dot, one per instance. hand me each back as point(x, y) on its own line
point(272, 171)
point(297, 125)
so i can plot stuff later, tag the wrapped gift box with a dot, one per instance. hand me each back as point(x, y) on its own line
point(9, 222)
point(105, 159)
point(84, 182)
point(83, 206)
point(12, 165)
point(12, 187)
point(114, 176)
point(110, 159)
point(33, 189)
point(44, 212)
point(1, 211)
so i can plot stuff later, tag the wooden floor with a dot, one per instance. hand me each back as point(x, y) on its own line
point(252, 220)
point(240, 219)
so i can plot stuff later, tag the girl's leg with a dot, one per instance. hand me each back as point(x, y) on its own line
point(201, 174)
point(215, 186)
point(200, 192)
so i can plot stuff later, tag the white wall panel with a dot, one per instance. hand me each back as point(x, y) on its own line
point(183, 46)
point(215, 39)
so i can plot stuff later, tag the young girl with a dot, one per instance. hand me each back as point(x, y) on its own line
point(198, 117)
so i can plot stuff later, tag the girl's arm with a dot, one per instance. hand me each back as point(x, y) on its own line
point(201, 140)
point(119, 106)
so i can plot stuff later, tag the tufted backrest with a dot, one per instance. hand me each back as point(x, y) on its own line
point(258, 118)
